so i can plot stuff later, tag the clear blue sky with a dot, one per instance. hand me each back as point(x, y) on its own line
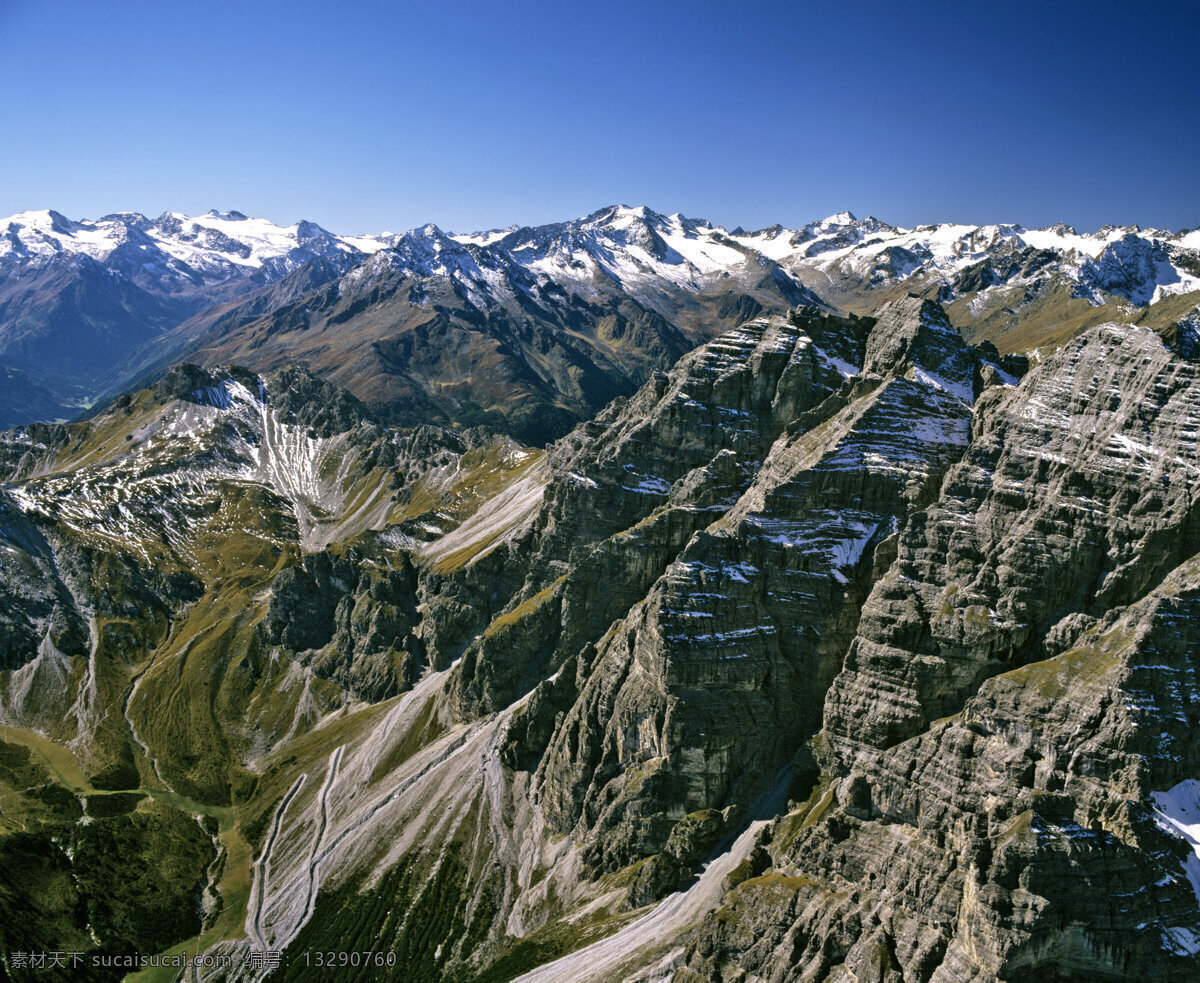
point(375, 115)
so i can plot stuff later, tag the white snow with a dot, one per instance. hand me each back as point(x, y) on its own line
point(1064, 241)
point(776, 244)
point(1177, 811)
point(581, 479)
point(41, 237)
point(840, 218)
point(484, 238)
point(848, 552)
point(739, 572)
point(962, 391)
point(1183, 940)
point(845, 369)
point(954, 431)
point(646, 484)
point(370, 244)
point(699, 250)
point(200, 242)
point(622, 244)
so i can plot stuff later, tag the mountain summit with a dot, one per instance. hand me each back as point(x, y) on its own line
point(526, 329)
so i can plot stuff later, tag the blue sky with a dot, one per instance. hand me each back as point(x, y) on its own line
point(473, 115)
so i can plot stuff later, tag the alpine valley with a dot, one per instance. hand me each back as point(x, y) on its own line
point(622, 599)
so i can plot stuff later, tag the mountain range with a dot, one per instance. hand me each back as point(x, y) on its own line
point(622, 599)
point(527, 330)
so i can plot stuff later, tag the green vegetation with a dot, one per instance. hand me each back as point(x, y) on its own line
point(57, 761)
point(774, 879)
point(419, 915)
point(557, 939)
point(132, 871)
point(789, 828)
point(1075, 669)
point(234, 890)
point(523, 610)
point(138, 875)
point(126, 881)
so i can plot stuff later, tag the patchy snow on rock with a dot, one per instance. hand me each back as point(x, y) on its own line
point(962, 391)
point(845, 369)
point(1177, 811)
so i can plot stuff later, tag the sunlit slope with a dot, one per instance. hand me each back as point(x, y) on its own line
point(139, 685)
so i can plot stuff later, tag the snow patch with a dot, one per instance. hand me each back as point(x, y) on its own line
point(1177, 811)
point(845, 369)
point(962, 391)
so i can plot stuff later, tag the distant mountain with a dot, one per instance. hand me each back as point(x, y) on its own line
point(528, 330)
point(847, 260)
point(175, 251)
point(529, 333)
point(76, 298)
point(531, 329)
point(23, 398)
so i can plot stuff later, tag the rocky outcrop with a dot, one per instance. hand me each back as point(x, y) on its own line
point(26, 449)
point(711, 685)
point(1034, 829)
point(629, 489)
point(1129, 267)
point(1075, 496)
point(35, 604)
point(351, 620)
point(1020, 836)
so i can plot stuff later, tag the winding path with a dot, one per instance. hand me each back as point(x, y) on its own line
point(314, 860)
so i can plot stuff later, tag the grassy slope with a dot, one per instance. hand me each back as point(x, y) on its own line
point(199, 690)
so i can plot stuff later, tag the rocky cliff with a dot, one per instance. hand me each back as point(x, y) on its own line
point(841, 650)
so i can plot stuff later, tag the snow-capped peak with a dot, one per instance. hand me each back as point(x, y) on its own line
point(215, 245)
point(42, 220)
point(482, 238)
point(635, 245)
point(640, 247)
point(839, 219)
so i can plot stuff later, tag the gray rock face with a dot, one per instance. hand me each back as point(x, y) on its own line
point(1044, 608)
point(1075, 496)
point(880, 654)
point(1016, 837)
point(351, 620)
point(631, 488)
point(34, 601)
point(28, 447)
point(1128, 267)
point(976, 595)
point(711, 685)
